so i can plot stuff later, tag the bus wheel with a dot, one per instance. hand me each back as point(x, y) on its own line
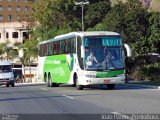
point(74, 80)
point(7, 85)
point(79, 87)
point(50, 81)
point(57, 85)
point(13, 84)
point(111, 86)
point(52, 84)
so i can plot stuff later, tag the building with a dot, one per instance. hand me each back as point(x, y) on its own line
point(13, 20)
point(14, 26)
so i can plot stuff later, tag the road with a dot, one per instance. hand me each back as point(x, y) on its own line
point(67, 100)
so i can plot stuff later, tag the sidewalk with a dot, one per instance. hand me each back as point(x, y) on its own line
point(30, 84)
point(135, 84)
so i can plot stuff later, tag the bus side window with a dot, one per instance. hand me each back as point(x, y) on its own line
point(57, 48)
point(73, 45)
point(69, 46)
point(80, 60)
point(49, 49)
point(62, 47)
point(40, 51)
point(44, 50)
point(66, 46)
point(53, 47)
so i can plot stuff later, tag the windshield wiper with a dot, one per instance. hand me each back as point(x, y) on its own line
point(99, 65)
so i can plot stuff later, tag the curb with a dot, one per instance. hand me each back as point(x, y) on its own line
point(30, 84)
point(138, 85)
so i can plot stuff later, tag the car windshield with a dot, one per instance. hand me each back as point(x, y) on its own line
point(103, 53)
point(5, 68)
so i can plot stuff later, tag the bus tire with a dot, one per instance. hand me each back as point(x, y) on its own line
point(52, 84)
point(7, 85)
point(46, 80)
point(111, 86)
point(74, 80)
point(13, 84)
point(57, 85)
point(79, 87)
point(50, 81)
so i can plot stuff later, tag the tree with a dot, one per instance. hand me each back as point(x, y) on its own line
point(154, 32)
point(7, 51)
point(56, 17)
point(29, 50)
point(129, 19)
point(96, 11)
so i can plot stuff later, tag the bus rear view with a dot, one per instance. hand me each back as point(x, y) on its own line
point(6, 74)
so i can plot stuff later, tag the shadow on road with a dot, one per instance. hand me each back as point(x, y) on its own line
point(117, 87)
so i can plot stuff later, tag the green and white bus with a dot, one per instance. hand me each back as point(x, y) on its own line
point(64, 59)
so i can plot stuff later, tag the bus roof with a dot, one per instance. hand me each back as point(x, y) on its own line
point(4, 63)
point(73, 34)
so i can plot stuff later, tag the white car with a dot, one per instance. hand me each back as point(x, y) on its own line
point(6, 74)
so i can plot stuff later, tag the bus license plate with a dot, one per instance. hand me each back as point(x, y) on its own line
point(106, 81)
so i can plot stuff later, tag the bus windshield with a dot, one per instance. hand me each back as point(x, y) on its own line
point(103, 53)
point(5, 69)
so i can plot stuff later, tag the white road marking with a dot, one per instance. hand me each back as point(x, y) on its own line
point(44, 89)
point(68, 97)
point(116, 113)
point(122, 116)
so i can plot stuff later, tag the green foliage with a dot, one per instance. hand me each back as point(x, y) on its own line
point(7, 52)
point(96, 12)
point(56, 17)
point(151, 72)
point(154, 32)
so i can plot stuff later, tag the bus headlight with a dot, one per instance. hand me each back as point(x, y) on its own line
point(90, 76)
point(121, 75)
point(12, 78)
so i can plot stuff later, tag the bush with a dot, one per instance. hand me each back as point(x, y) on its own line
point(151, 71)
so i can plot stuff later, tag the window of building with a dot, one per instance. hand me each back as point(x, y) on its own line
point(9, 0)
point(9, 8)
point(7, 35)
point(18, 8)
point(1, 17)
point(18, 18)
point(15, 35)
point(26, 9)
point(1, 8)
point(26, 0)
point(9, 17)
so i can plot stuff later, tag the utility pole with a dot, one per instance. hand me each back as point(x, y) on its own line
point(82, 5)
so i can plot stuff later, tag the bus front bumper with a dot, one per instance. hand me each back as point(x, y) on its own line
point(101, 81)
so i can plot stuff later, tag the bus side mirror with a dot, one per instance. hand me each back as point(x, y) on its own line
point(82, 51)
point(128, 50)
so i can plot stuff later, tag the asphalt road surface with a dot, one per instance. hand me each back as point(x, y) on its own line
point(66, 101)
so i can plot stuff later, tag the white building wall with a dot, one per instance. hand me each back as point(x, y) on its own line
point(11, 27)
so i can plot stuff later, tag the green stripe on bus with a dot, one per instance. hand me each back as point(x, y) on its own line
point(59, 68)
point(109, 73)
